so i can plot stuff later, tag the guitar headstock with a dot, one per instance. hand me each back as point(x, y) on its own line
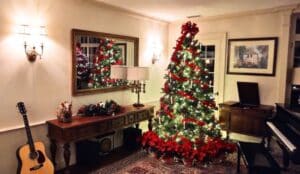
point(21, 108)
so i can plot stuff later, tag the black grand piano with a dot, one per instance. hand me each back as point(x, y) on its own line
point(285, 127)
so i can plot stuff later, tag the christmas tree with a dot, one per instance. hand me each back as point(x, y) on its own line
point(186, 126)
point(108, 53)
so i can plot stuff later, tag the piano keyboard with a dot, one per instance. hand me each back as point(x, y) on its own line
point(290, 145)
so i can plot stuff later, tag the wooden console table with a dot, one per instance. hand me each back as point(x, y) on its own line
point(87, 127)
point(244, 120)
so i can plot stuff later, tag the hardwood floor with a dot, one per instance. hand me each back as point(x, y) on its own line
point(114, 156)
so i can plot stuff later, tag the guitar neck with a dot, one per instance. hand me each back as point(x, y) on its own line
point(28, 133)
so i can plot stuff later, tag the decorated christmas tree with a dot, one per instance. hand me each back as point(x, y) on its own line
point(186, 126)
point(108, 53)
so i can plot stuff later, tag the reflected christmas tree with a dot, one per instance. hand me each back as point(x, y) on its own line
point(108, 53)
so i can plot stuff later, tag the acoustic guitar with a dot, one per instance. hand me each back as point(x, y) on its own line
point(31, 156)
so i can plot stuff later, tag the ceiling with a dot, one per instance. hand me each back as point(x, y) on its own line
point(171, 10)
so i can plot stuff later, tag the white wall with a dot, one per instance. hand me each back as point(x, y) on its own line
point(44, 84)
point(269, 23)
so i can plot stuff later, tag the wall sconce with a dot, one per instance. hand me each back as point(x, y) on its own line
point(155, 58)
point(35, 34)
point(156, 53)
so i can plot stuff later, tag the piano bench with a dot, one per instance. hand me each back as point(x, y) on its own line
point(256, 158)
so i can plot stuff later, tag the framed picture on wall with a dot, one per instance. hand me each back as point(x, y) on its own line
point(123, 49)
point(252, 56)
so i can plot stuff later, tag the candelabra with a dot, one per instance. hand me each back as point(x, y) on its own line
point(137, 87)
point(136, 77)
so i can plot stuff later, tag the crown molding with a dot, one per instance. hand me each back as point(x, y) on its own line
point(288, 8)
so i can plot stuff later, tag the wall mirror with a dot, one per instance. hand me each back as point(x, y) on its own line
point(93, 53)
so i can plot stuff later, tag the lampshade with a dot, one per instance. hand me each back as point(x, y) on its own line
point(137, 73)
point(296, 76)
point(118, 72)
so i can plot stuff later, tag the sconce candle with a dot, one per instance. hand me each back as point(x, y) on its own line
point(30, 32)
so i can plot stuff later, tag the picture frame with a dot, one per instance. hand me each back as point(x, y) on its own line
point(252, 56)
point(123, 48)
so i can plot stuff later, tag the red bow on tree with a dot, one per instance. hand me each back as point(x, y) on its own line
point(189, 27)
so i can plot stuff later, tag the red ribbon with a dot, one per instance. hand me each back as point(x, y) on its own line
point(186, 95)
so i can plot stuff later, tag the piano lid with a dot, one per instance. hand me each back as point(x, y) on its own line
point(289, 109)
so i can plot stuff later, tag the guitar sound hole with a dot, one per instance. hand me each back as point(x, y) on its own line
point(33, 155)
point(37, 155)
point(41, 158)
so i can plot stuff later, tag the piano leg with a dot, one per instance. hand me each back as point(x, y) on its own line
point(267, 140)
point(286, 158)
point(268, 143)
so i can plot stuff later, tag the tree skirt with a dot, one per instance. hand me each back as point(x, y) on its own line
point(143, 163)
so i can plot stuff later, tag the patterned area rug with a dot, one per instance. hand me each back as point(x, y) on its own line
point(142, 163)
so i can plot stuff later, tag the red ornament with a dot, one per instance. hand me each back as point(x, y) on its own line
point(118, 62)
point(191, 65)
point(205, 86)
point(166, 87)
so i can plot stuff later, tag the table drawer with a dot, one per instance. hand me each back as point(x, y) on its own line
point(129, 119)
point(86, 131)
point(79, 132)
point(143, 115)
point(117, 123)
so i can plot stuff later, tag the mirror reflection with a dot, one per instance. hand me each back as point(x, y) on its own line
point(94, 53)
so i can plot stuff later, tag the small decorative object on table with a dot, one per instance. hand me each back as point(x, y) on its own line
point(102, 108)
point(64, 112)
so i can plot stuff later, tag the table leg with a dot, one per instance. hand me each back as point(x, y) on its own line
point(53, 148)
point(150, 124)
point(67, 154)
point(228, 126)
